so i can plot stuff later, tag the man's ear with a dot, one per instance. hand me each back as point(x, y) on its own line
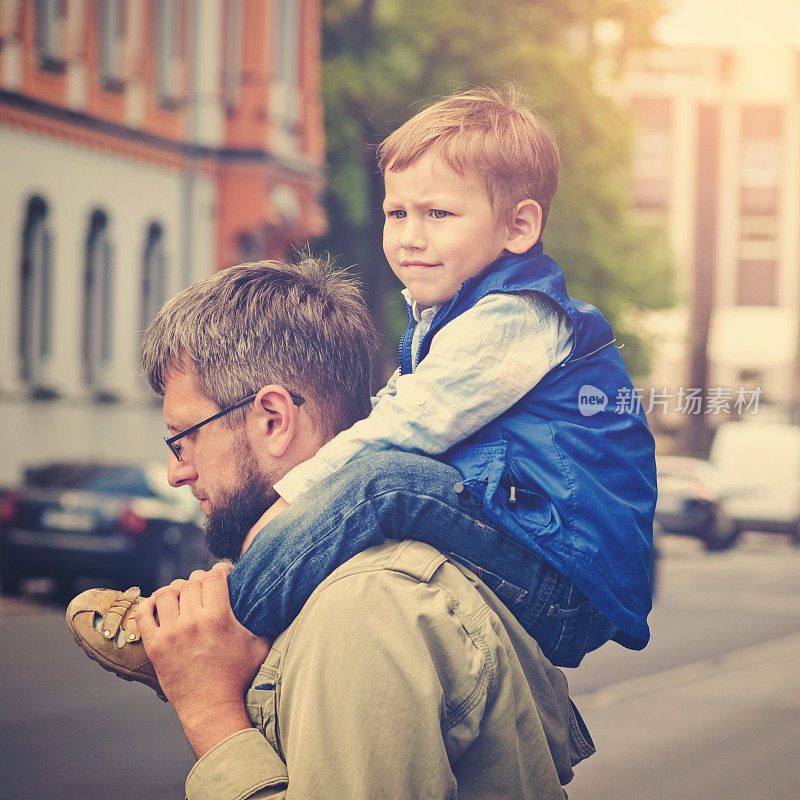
point(525, 227)
point(275, 415)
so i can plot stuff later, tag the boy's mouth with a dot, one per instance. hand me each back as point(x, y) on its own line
point(417, 264)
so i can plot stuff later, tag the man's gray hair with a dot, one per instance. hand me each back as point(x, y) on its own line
point(304, 326)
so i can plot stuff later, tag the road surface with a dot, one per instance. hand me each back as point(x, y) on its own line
point(711, 709)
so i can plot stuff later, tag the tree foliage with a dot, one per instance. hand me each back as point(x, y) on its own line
point(385, 59)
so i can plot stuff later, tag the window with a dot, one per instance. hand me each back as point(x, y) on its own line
point(154, 291)
point(232, 55)
point(652, 162)
point(759, 200)
point(285, 100)
point(9, 19)
point(759, 228)
point(760, 171)
point(98, 291)
point(36, 293)
point(51, 22)
point(172, 25)
point(757, 283)
point(113, 31)
point(761, 163)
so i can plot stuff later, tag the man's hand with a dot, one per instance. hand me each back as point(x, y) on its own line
point(204, 658)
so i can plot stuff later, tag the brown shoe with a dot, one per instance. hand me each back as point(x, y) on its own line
point(102, 622)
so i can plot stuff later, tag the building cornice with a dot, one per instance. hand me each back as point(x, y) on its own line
point(79, 127)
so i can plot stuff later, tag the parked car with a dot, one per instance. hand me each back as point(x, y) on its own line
point(110, 522)
point(759, 465)
point(690, 501)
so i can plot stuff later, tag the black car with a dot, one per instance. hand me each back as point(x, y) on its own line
point(689, 501)
point(115, 523)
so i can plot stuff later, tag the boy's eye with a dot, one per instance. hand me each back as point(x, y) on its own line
point(397, 213)
point(438, 213)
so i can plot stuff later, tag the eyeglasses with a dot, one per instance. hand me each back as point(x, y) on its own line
point(173, 441)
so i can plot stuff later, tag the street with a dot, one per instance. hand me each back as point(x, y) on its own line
point(710, 709)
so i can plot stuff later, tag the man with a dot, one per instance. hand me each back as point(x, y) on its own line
point(403, 675)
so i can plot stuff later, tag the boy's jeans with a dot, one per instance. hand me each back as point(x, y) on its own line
point(397, 495)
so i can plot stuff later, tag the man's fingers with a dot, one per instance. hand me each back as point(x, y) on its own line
point(191, 597)
point(223, 566)
point(215, 590)
point(145, 618)
point(178, 585)
point(167, 606)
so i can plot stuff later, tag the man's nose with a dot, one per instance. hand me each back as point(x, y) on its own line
point(180, 472)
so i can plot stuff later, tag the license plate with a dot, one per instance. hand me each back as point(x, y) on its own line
point(67, 520)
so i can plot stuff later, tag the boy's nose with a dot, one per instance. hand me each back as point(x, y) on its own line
point(411, 236)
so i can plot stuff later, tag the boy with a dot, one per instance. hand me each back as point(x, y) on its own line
point(555, 507)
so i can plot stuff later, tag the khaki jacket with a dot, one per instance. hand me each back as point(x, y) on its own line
point(402, 677)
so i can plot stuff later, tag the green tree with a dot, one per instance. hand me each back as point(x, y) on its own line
point(385, 59)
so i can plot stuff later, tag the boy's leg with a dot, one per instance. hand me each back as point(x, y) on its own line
point(397, 495)
point(390, 495)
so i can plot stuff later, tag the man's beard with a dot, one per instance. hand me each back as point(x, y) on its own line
point(231, 519)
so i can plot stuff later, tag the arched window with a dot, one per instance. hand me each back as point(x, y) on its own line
point(98, 293)
point(285, 91)
point(36, 292)
point(154, 290)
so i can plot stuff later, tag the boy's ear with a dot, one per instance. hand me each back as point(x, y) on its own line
point(525, 227)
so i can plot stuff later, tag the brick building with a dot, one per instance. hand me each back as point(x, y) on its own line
point(143, 144)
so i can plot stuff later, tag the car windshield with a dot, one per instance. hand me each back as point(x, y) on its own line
point(119, 481)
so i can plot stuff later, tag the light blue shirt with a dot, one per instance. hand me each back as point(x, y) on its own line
point(479, 364)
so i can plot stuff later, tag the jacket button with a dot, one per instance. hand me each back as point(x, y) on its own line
point(461, 490)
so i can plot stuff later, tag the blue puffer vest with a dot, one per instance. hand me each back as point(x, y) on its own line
point(569, 470)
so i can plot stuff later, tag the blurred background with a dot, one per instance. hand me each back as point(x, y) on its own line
point(146, 143)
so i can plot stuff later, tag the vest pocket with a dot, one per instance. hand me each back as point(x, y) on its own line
point(522, 510)
point(525, 508)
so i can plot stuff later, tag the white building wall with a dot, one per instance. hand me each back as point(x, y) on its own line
point(755, 76)
point(75, 181)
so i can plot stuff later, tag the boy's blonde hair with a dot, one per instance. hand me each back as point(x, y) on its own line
point(487, 130)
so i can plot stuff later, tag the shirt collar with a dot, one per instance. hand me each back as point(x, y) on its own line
point(419, 312)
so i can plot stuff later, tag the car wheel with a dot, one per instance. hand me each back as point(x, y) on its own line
point(722, 535)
